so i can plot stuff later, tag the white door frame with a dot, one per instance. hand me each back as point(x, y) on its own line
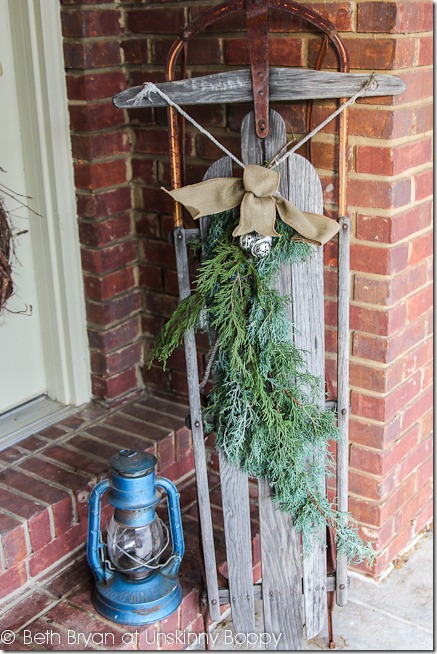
point(37, 37)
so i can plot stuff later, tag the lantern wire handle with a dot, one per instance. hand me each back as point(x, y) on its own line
point(102, 553)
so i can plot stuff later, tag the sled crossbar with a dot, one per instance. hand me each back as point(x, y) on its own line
point(291, 84)
point(224, 593)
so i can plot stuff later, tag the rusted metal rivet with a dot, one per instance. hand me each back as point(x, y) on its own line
point(260, 73)
point(261, 92)
point(343, 412)
point(342, 586)
point(185, 34)
point(262, 124)
point(214, 601)
point(197, 423)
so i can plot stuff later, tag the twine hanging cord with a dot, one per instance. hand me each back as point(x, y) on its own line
point(149, 88)
point(370, 85)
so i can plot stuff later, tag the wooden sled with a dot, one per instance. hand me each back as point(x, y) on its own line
point(294, 591)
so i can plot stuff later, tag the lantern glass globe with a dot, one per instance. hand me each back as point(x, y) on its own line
point(135, 551)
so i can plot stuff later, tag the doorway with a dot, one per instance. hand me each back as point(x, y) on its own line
point(45, 357)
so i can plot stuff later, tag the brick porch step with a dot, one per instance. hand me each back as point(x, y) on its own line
point(46, 479)
point(45, 582)
point(60, 605)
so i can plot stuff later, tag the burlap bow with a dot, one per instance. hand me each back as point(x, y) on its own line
point(256, 195)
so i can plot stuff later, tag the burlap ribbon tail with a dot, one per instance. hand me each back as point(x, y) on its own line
point(256, 192)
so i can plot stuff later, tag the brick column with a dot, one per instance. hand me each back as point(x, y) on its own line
point(389, 198)
point(101, 144)
point(391, 305)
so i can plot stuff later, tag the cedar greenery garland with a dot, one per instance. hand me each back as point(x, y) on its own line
point(267, 419)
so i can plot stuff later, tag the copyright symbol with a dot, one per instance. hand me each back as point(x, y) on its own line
point(7, 637)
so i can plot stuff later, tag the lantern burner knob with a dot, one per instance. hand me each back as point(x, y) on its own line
point(128, 453)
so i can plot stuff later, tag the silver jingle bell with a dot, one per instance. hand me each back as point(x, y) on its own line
point(247, 241)
point(262, 246)
point(202, 322)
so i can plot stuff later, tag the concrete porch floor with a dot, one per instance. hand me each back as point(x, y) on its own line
point(395, 615)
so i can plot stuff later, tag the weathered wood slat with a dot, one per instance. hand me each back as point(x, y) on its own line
point(280, 545)
point(343, 390)
point(281, 573)
point(285, 84)
point(197, 432)
point(235, 500)
point(236, 514)
point(308, 316)
point(304, 282)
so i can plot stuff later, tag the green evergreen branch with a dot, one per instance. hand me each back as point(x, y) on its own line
point(265, 401)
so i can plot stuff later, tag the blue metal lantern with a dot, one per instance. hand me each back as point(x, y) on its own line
point(133, 585)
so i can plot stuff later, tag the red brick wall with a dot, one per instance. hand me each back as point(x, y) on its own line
point(129, 268)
